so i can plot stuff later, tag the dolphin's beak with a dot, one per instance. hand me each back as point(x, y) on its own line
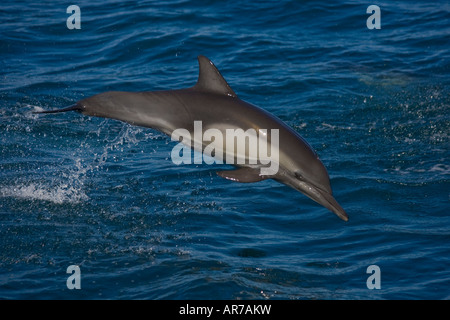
point(328, 201)
point(319, 195)
point(74, 107)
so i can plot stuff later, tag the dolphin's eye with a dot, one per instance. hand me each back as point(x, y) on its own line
point(298, 175)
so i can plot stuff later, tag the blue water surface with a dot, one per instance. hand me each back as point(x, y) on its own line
point(104, 195)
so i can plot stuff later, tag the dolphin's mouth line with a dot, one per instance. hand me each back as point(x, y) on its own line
point(327, 200)
point(317, 194)
point(333, 205)
point(302, 179)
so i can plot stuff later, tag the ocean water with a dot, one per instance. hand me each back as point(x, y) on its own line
point(104, 195)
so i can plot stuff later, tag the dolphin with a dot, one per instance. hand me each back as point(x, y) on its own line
point(212, 101)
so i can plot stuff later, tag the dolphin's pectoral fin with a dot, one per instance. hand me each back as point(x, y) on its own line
point(244, 174)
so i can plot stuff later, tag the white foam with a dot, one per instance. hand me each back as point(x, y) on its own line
point(66, 184)
point(442, 168)
point(59, 194)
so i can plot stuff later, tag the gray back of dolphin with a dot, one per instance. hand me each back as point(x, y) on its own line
point(213, 102)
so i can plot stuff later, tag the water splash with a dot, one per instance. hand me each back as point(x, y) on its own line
point(63, 193)
point(64, 179)
point(128, 136)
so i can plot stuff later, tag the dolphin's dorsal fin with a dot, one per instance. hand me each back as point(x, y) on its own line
point(210, 79)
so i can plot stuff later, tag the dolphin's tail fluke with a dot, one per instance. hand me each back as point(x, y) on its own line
point(75, 107)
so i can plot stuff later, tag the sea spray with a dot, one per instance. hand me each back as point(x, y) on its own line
point(65, 180)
